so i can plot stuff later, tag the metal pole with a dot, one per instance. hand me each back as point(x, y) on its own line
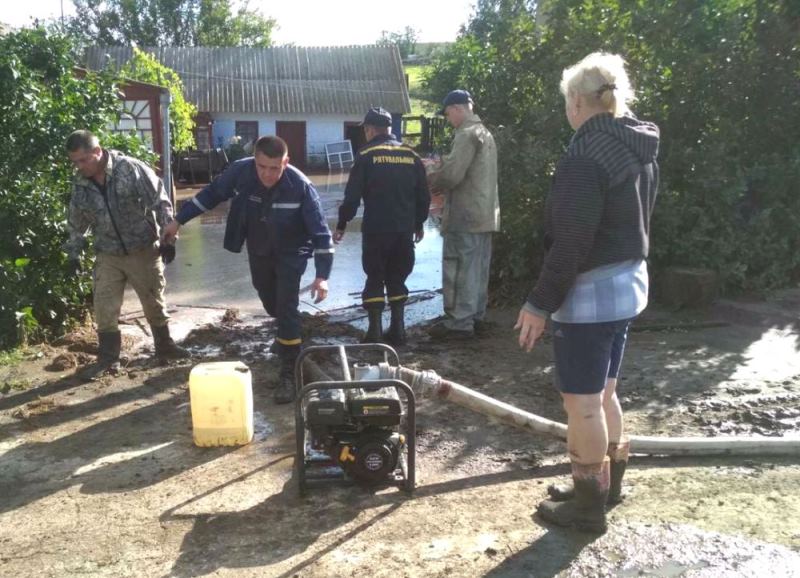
point(166, 145)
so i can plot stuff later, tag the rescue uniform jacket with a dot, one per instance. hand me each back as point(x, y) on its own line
point(293, 220)
point(124, 217)
point(390, 178)
point(468, 176)
point(599, 206)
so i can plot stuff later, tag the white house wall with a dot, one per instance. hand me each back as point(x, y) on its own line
point(320, 129)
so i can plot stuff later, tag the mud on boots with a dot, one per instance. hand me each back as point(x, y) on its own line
point(618, 456)
point(374, 332)
point(286, 390)
point(396, 334)
point(109, 344)
point(586, 511)
point(165, 346)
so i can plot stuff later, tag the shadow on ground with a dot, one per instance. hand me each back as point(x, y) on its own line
point(131, 451)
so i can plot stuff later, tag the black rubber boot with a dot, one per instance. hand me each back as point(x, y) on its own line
point(286, 390)
point(396, 334)
point(586, 511)
point(109, 344)
point(618, 454)
point(375, 330)
point(275, 348)
point(165, 345)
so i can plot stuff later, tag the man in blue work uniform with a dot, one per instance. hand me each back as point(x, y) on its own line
point(390, 178)
point(276, 210)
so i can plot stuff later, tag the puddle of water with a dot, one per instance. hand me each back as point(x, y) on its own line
point(205, 275)
point(207, 351)
point(262, 428)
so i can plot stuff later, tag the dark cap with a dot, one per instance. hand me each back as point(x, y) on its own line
point(456, 97)
point(377, 116)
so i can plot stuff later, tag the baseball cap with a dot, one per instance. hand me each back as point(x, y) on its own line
point(456, 97)
point(377, 116)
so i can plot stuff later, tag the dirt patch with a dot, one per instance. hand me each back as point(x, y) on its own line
point(35, 408)
point(63, 362)
point(115, 458)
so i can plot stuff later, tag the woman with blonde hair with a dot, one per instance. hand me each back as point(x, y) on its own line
point(594, 280)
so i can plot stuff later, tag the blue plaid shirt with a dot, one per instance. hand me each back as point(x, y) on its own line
point(607, 293)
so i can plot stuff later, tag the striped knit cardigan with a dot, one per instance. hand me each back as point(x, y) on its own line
point(599, 206)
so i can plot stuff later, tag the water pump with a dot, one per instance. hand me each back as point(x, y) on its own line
point(360, 428)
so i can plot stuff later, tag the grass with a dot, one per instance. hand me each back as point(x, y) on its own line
point(415, 73)
point(10, 379)
point(12, 356)
point(20, 384)
point(420, 105)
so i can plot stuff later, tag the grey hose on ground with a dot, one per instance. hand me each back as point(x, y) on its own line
point(429, 384)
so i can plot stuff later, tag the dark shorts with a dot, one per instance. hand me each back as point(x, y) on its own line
point(587, 354)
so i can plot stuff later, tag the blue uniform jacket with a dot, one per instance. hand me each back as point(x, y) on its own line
point(296, 221)
point(390, 178)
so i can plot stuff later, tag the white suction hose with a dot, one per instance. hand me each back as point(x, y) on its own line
point(429, 384)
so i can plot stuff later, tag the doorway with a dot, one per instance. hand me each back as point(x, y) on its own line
point(294, 133)
point(354, 132)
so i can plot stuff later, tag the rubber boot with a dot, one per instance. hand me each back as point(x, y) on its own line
point(375, 330)
point(396, 334)
point(618, 454)
point(109, 344)
point(587, 510)
point(165, 345)
point(286, 390)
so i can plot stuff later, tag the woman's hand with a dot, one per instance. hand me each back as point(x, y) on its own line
point(531, 327)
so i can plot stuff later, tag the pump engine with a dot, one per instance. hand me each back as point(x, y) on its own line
point(352, 428)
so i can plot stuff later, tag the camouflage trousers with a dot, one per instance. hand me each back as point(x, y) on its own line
point(143, 269)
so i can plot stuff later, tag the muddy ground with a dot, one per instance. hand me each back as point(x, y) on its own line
point(102, 479)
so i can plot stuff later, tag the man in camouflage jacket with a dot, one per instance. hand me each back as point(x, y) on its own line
point(124, 204)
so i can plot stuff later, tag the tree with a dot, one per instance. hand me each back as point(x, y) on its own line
point(406, 40)
point(718, 77)
point(218, 26)
point(146, 68)
point(41, 102)
point(169, 23)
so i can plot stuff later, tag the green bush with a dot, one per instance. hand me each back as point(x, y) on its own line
point(144, 67)
point(720, 77)
point(41, 102)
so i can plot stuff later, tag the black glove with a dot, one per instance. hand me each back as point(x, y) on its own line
point(167, 252)
point(74, 267)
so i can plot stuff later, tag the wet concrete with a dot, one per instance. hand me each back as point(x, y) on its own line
point(204, 275)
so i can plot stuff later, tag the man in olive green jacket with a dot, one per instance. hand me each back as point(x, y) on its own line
point(468, 179)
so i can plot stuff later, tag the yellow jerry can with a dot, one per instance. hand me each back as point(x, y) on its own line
point(221, 395)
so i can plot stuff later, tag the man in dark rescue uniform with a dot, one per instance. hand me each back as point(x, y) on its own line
point(276, 210)
point(390, 178)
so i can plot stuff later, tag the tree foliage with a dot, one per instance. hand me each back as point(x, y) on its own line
point(41, 102)
point(169, 23)
point(406, 40)
point(147, 68)
point(720, 77)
